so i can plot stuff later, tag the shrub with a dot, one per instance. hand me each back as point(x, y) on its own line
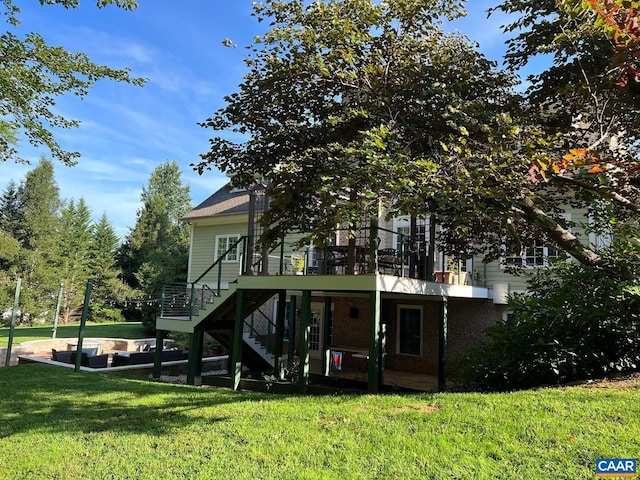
point(574, 323)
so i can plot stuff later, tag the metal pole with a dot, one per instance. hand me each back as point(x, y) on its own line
point(58, 304)
point(83, 321)
point(14, 312)
point(157, 358)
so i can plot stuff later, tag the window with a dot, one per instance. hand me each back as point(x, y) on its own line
point(402, 229)
point(409, 330)
point(533, 255)
point(223, 243)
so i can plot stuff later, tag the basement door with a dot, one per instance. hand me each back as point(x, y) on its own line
point(315, 330)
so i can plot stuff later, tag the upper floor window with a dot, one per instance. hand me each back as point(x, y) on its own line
point(402, 229)
point(535, 254)
point(224, 243)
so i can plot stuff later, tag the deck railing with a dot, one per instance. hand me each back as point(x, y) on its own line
point(185, 300)
point(357, 251)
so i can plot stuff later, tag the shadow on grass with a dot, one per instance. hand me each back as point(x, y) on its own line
point(49, 399)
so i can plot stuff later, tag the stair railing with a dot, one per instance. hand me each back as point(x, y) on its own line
point(205, 288)
point(253, 332)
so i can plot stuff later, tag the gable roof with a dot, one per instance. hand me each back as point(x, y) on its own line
point(223, 202)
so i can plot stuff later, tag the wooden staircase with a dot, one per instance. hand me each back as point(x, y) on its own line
point(218, 320)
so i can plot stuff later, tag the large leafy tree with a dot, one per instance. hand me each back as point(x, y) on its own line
point(33, 74)
point(585, 107)
point(353, 104)
point(10, 209)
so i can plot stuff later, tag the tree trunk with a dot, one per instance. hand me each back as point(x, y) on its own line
point(560, 235)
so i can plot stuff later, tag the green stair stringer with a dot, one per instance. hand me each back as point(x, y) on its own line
point(218, 319)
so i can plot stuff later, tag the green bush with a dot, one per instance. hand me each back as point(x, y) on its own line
point(574, 323)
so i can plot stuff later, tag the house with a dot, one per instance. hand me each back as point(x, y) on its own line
point(377, 309)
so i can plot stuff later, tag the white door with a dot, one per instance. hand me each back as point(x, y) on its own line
point(315, 330)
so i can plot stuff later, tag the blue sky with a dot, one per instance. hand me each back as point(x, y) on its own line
point(127, 131)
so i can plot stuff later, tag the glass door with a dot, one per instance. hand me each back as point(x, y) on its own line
point(315, 330)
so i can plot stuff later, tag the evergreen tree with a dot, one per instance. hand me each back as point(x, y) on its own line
point(156, 251)
point(39, 198)
point(9, 255)
point(10, 210)
point(109, 291)
point(39, 210)
point(73, 249)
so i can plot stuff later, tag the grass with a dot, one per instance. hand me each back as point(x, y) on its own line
point(130, 330)
point(57, 424)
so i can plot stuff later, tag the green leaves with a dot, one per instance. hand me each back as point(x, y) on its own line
point(575, 322)
point(372, 102)
point(33, 74)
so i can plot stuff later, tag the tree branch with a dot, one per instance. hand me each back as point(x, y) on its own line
point(611, 195)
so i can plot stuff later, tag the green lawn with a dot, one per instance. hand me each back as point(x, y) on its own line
point(57, 424)
point(96, 330)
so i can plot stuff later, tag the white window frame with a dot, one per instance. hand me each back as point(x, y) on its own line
point(536, 256)
point(402, 224)
point(229, 239)
point(398, 329)
point(599, 241)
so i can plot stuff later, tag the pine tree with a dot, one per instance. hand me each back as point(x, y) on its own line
point(109, 291)
point(10, 210)
point(39, 207)
point(156, 251)
point(73, 249)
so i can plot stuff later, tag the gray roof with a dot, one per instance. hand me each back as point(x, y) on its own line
point(223, 202)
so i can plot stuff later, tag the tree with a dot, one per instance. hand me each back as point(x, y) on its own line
point(109, 291)
point(73, 256)
point(157, 248)
point(33, 74)
point(351, 104)
point(588, 146)
point(39, 208)
point(10, 210)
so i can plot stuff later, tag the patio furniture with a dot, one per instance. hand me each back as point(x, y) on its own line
point(120, 359)
point(86, 360)
point(388, 259)
point(336, 259)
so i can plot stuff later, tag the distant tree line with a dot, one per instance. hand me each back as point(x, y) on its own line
point(53, 243)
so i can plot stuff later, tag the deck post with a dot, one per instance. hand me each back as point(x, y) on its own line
point(373, 245)
point(442, 345)
point(303, 347)
point(278, 348)
point(235, 358)
point(292, 331)
point(194, 365)
point(374, 342)
point(381, 355)
point(157, 358)
point(326, 350)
